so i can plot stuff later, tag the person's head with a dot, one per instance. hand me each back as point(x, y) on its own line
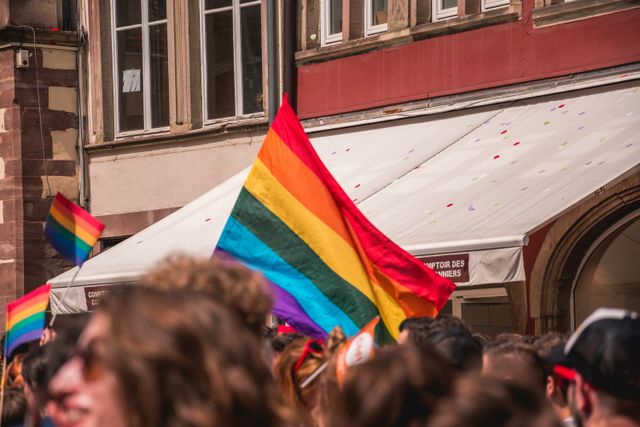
point(165, 358)
point(294, 370)
point(227, 281)
point(458, 347)
point(14, 371)
point(402, 386)
point(516, 363)
point(550, 348)
point(34, 371)
point(14, 408)
point(415, 330)
point(603, 363)
point(488, 401)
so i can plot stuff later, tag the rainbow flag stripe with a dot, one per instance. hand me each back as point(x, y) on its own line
point(72, 230)
point(25, 318)
point(329, 265)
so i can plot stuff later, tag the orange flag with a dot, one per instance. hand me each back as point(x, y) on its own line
point(358, 349)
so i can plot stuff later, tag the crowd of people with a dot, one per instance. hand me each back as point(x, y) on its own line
point(189, 347)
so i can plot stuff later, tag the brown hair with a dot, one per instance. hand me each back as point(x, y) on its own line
point(184, 360)
point(228, 282)
point(290, 380)
point(515, 362)
point(485, 401)
point(401, 387)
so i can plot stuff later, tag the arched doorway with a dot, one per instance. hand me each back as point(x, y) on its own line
point(609, 275)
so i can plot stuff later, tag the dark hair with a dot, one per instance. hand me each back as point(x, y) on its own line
point(481, 402)
point(34, 368)
point(552, 341)
point(457, 346)
point(421, 327)
point(227, 281)
point(401, 386)
point(281, 341)
point(15, 407)
point(516, 362)
point(184, 360)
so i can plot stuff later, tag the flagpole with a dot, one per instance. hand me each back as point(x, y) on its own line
point(64, 294)
point(4, 372)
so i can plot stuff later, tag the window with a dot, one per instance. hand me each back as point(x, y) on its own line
point(140, 64)
point(375, 16)
point(444, 9)
point(490, 4)
point(232, 51)
point(331, 21)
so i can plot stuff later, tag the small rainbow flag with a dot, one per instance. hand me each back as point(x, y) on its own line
point(25, 318)
point(329, 265)
point(72, 230)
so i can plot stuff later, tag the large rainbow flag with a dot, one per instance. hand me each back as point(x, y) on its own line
point(71, 230)
point(25, 318)
point(329, 265)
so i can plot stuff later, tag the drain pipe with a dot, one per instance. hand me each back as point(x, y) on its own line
point(83, 200)
point(272, 60)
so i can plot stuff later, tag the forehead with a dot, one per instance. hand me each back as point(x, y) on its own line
point(96, 328)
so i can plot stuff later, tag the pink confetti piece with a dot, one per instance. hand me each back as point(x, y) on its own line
point(542, 171)
point(553, 109)
point(477, 140)
point(449, 205)
point(581, 127)
point(600, 163)
point(334, 152)
point(524, 188)
point(515, 144)
point(497, 156)
point(412, 150)
point(139, 241)
point(588, 163)
point(207, 220)
point(347, 149)
point(582, 113)
point(628, 145)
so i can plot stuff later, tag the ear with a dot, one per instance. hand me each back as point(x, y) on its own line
point(583, 396)
point(551, 386)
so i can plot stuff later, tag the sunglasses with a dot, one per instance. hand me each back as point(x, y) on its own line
point(92, 365)
point(312, 346)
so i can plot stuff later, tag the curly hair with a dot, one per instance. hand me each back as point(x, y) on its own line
point(226, 281)
point(183, 360)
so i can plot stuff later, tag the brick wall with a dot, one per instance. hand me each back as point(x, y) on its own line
point(34, 165)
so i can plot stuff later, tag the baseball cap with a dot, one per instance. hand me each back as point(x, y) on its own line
point(605, 351)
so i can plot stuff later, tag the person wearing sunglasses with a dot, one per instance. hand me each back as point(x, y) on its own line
point(155, 358)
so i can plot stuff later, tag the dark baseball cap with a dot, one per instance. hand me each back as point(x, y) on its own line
point(605, 351)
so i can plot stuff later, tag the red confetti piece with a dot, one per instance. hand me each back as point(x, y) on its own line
point(516, 143)
point(55, 29)
point(449, 205)
point(561, 105)
point(503, 132)
point(207, 220)
point(348, 149)
point(357, 185)
point(497, 156)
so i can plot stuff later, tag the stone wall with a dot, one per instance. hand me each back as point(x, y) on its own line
point(35, 162)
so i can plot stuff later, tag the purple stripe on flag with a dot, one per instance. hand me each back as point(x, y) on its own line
point(29, 336)
point(288, 309)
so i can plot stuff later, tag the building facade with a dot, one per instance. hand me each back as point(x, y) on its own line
point(386, 60)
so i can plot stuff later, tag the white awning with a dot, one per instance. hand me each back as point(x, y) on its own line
point(474, 182)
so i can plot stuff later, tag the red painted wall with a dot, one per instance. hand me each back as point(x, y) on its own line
point(492, 56)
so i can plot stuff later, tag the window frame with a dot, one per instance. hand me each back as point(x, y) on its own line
point(369, 28)
point(146, 69)
point(443, 14)
point(325, 24)
point(493, 4)
point(235, 8)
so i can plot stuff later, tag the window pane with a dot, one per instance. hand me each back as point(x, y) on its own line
point(159, 75)
point(128, 12)
point(379, 12)
point(448, 4)
point(251, 59)
point(214, 4)
point(220, 70)
point(157, 10)
point(130, 93)
point(335, 17)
